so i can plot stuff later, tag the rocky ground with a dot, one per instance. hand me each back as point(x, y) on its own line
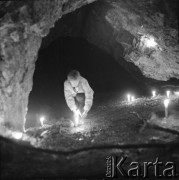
point(137, 130)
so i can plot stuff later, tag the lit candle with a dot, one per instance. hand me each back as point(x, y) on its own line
point(176, 93)
point(168, 94)
point(153, 94)
point(132, 98)
point(129, 98)
point(42, 120)
point(77, 116)
point(166, 103)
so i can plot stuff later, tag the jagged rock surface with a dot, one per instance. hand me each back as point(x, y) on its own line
point(117, 25)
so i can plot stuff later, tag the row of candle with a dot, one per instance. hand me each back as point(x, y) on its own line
point(131, 98)
point(77, 115)
point(167, 93)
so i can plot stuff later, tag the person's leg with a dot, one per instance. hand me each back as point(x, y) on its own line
point(80, 101)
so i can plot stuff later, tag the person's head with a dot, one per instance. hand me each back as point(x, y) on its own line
point(73, 77)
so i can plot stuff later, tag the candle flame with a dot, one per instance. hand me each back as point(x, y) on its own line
point(42, 120)
point(153, 93)
point(176, 93)
point(168, 94)
point(129, 98)
point(132, 98)
point(166, 103)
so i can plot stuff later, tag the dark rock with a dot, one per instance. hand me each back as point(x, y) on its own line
point(117, 27)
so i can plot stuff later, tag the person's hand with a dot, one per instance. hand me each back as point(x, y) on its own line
point(74, 110)
point(84, 114)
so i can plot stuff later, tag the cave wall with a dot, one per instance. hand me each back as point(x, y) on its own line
point(22, 26)
point(116, 27)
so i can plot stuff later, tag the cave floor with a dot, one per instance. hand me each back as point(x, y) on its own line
point(119, 123)
point(137, 130)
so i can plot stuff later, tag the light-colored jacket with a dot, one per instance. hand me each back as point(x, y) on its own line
point(83, 87)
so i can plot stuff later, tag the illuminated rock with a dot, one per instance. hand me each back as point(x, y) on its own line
point(119, 26)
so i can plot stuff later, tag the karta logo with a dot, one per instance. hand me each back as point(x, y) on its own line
point(116, 166)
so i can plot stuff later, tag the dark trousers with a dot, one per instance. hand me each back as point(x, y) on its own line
point(80, 101)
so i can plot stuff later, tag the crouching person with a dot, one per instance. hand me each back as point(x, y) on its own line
point(78, 93)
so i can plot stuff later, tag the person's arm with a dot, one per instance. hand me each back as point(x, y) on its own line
point(69, 96)
point(88, 95)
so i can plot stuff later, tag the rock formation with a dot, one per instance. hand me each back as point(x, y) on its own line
point(140, 32)
point(125, 30)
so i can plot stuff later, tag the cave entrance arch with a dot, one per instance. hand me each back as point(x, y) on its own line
point(20, 43)
point(105, 76)
point(66, 48)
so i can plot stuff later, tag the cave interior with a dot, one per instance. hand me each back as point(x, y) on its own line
point(120, 47)
point(65, 48)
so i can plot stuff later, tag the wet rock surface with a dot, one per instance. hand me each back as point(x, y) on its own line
point(118, 129)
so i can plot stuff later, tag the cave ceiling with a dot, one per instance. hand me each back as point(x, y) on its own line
point(141, 35)
point(121, 28)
